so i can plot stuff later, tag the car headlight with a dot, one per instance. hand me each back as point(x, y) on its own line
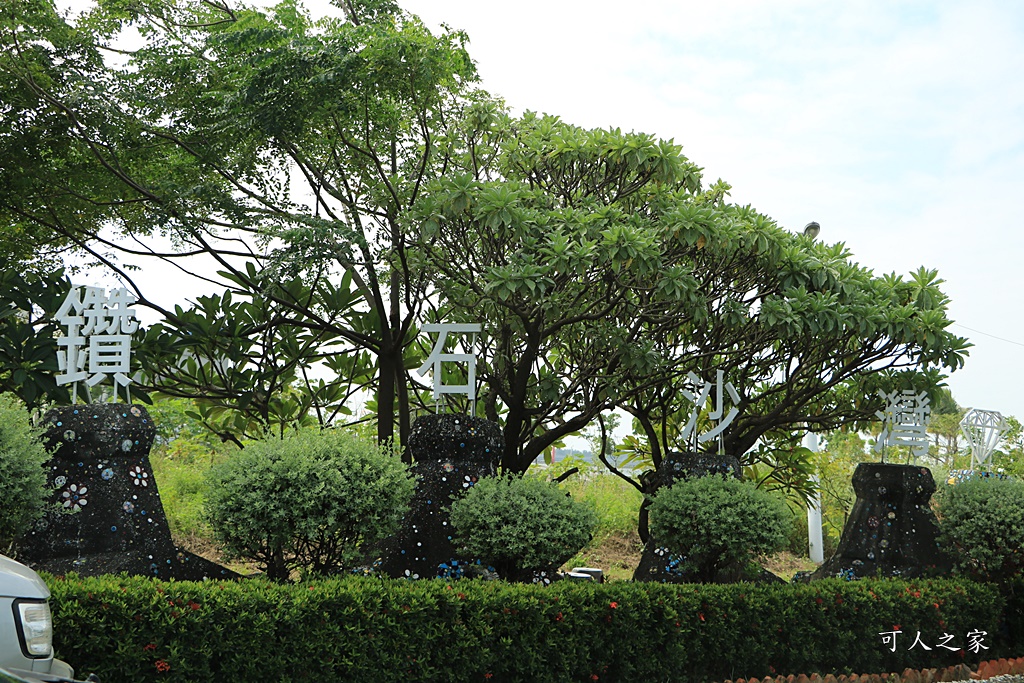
point(35, 627)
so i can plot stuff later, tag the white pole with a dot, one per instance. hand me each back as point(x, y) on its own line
point(814, 544)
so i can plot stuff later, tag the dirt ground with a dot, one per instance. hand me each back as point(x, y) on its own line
point(617, 555)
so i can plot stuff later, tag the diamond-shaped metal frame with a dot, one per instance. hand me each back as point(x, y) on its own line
point(983, 429)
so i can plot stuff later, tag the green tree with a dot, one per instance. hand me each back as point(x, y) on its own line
point(28, 344)
point(46, 176)
point(944, 426)
point(605, 276)
point(248, 367)
point(600, 437)
point(835, 465)
point(244, 136)
point(1011, 455)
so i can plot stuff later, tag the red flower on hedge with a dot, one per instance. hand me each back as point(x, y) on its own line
point(162, 666)
point(150, 647)
point(701, 615)
point(613, 605)
point(593, 677)
point(559, 617)
point(194, 606)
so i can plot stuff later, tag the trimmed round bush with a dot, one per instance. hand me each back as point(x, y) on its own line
point(308, 502)
point(982, 520)
point(713, 523)
point(521, 525)
point(22, 476)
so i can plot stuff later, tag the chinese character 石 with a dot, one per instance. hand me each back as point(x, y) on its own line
point(107, 325)
point(946, 638)
point(889, 638)
point(917, 641)
point(974, 639)
point(716, 414)
point(438, 357)
point(905, 422)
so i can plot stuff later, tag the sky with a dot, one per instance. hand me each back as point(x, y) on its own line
point(898, 126)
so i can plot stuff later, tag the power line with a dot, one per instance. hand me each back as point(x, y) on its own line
point(1008, 341)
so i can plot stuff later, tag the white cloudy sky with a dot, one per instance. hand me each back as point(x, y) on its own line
point(898, 126)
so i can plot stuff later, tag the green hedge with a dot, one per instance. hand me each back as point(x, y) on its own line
point(372, 629)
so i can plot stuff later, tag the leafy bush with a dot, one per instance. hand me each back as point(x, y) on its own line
point(309, 501)
point(521, 524)
point(983, 521)
point(715, 522)
point(22, 477)
point(359, 629)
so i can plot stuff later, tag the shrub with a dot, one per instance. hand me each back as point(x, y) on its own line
point(715, 522)
point(307, 502)
point(521, 524)
point(22, 477)
point(983, 521)
point(359, 629)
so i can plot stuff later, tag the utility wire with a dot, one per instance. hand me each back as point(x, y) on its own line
point(1008, 341)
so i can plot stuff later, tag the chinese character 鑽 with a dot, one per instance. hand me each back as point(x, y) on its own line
point(97, 341)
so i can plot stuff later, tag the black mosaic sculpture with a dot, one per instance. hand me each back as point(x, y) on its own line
point(451, 452)
point(891, 530)
point(656, 562)
point(109, 518)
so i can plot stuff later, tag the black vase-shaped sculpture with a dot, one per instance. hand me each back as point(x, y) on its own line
point(106, 516)
point(451, 452)
point(891, 530)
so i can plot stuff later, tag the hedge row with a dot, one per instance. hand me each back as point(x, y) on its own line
point(371, 629)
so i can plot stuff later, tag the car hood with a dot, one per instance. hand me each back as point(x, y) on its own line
point(18, 581)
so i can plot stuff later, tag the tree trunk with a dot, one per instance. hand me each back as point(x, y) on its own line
point(386, 397)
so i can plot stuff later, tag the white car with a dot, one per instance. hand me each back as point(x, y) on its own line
point(26, 627)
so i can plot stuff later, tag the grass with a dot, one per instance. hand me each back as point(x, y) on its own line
point(616, 545)
point(179, 473)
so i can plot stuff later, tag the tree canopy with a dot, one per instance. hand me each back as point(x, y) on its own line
point(604, 276)
point(349, 182)
point(246, 137)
